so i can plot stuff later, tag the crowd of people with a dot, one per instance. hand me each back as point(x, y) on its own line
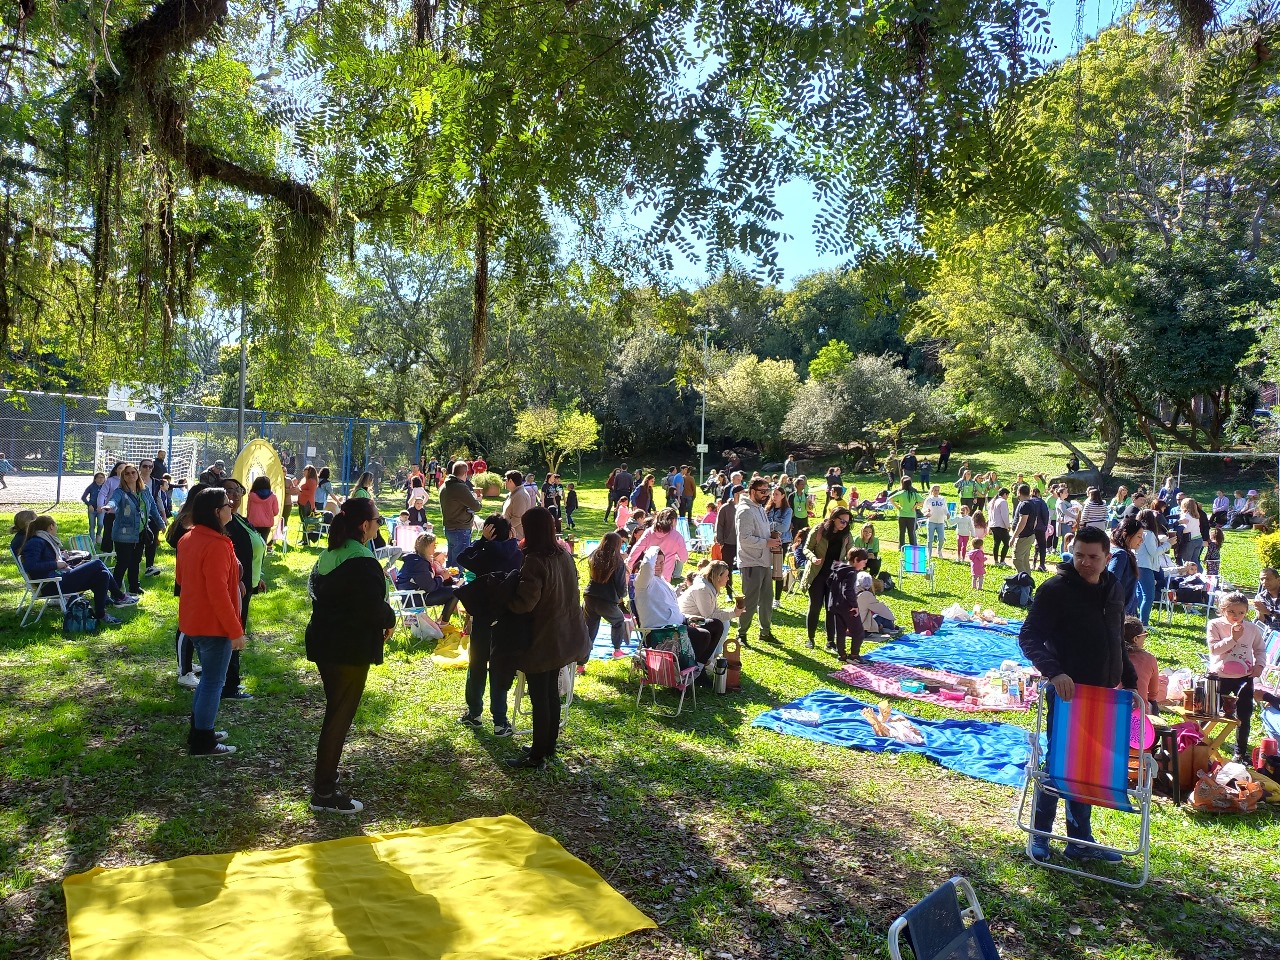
point(513, 571)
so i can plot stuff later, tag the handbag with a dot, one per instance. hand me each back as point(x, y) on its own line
point(923, 621)
point(423, 627)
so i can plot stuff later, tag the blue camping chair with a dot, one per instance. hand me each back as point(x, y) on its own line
point(706, 536)
point(936, 927)
point(1088, 759)
point(916, 560)
point(690, 541)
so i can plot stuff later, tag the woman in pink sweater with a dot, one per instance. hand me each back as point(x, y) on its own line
point(664, 535)
point(263, 508)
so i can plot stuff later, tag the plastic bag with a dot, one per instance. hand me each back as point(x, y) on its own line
point(422, 626)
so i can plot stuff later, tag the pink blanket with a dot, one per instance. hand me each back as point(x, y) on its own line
point(883, 678)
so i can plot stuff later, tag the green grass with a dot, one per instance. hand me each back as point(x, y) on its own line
point(737, 840)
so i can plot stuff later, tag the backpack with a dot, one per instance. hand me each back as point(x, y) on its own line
point(79, 617)
point(1017, 590)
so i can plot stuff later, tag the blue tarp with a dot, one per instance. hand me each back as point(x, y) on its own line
point(957, 647)
point(602, 645)
point(987, 751)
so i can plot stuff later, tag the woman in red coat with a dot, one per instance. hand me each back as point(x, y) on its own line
point(208, 576)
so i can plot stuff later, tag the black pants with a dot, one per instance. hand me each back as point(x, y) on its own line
point(873, 566)
point(1000, 539)
point(231, 686)
point(818, 601)
point(729, 553)
point(186, 652)
point(108, 523)
point(907, 530)
point(150, 540)
point(705, 637)
point(1042, 542)
point(481, 669)
point(128, 561)
point(1242, 687)
point(544, 701)
point(343, 688)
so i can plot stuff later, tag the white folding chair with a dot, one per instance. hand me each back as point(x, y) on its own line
point(43, 591)
point(519, 713)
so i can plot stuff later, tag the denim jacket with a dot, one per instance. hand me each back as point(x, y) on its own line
point(132, 513)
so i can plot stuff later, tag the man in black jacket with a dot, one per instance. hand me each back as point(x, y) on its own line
point(1073, 634)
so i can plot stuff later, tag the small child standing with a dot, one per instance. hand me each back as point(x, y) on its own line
point(964, 531)
point(977, 563)
point(1237, 654)
point(90, 499)
point(570, 504)
point(1213, 551)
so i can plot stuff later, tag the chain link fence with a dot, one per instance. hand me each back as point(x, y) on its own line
point(50, 445)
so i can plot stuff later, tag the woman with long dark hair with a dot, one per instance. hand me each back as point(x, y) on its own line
point(906, 500)
point(548, 592)
point(350, 622)
point(606, 590)
point(828, 543)
point(1148, 554)
point(1126, 537)
point(105, 492)
point(208, 578)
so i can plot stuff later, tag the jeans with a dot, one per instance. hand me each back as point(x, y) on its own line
point(458, 541)
point(95, 524)
point(1192, 550)
point(937, 534)
point(1147, 590)
point(755, 590)
point(568, 518)
point(215, 654)
point(596, 609)
point(92, 575)
point(1000, 541)
point(544, 702)
point(480, 670)
point(817, 601)
point(343, 688)
point(1022, 553)
point(907, 530)
point(128, 560)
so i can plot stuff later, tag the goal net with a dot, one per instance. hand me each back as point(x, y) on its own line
point(110, 448)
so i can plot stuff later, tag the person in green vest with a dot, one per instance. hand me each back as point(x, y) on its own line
point(800, 505)
point(868, 541)
point(965, 487)
point(906, 500)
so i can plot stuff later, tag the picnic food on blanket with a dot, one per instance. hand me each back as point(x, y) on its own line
point(896, 728)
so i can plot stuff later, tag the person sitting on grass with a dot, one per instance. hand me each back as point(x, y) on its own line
point(42, 559)
point(835, 501)
point(877, 618)
point(420, 572)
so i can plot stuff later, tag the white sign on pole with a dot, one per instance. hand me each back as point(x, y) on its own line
point(703, 448)
point(311, 451)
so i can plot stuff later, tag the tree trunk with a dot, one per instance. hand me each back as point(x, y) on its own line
point(480, 314)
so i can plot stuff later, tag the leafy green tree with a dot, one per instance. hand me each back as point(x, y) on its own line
point(830, 362)
point(556, 434)
point(752, 398)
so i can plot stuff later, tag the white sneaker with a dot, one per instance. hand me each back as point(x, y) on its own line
point(152, 571)
point(777, 604)
point(189, 680)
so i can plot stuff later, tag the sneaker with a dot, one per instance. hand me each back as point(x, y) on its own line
point(526, 762)
point(126, 600)
point(619, 653)
point(151, 571)
point(467, 720)
point(238, 695)
point(777, 604)
point(219, 750)
point(197, 669)
point(503, 730)
point(1074, 852)
point(336, 802)
point(219, 735)
point(809, 644)
point(109, 619)
point(831, 648)
point(189, 680)
point(581, 669)
point(1040, 849)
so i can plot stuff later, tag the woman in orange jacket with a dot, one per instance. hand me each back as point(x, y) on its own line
point(208, 576)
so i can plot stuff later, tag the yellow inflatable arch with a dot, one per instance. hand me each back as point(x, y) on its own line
point(259, 459)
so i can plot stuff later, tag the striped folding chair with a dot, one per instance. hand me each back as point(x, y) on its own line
point(915, 560)
point(660, 668)
point(706, 536)
point(1088, 759)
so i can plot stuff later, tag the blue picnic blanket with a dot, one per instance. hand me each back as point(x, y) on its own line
point(970, 649)
point(987, 751)
point(602, 644)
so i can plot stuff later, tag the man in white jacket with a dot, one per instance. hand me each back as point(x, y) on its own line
point(755, 560)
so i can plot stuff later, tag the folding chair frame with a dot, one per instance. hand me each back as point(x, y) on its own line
point(971, 911)
point(1139, 796)
point(519, 713)
point(929, 571)
point(640, 667)
point(34, 594)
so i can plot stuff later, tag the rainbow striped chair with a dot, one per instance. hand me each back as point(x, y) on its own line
point(1088, 759)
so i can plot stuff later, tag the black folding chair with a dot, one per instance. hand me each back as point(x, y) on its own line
point(936, 926)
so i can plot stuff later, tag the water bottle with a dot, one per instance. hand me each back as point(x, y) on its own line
point(722, 674)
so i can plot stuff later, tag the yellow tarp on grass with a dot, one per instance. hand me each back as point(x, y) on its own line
point(491, 887)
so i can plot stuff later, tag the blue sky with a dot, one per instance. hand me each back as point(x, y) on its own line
point(799, 255)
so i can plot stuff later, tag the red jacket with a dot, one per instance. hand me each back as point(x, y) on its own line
point(208, 575)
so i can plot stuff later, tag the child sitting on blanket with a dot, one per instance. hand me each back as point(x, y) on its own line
point(877, 618)
point(977, 564)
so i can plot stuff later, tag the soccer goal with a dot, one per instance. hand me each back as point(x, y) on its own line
point(110, 448)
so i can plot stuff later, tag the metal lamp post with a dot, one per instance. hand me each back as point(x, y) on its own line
point(705, 329)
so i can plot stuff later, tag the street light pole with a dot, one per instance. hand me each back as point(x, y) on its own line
point(705, 330)
point(244, 369)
